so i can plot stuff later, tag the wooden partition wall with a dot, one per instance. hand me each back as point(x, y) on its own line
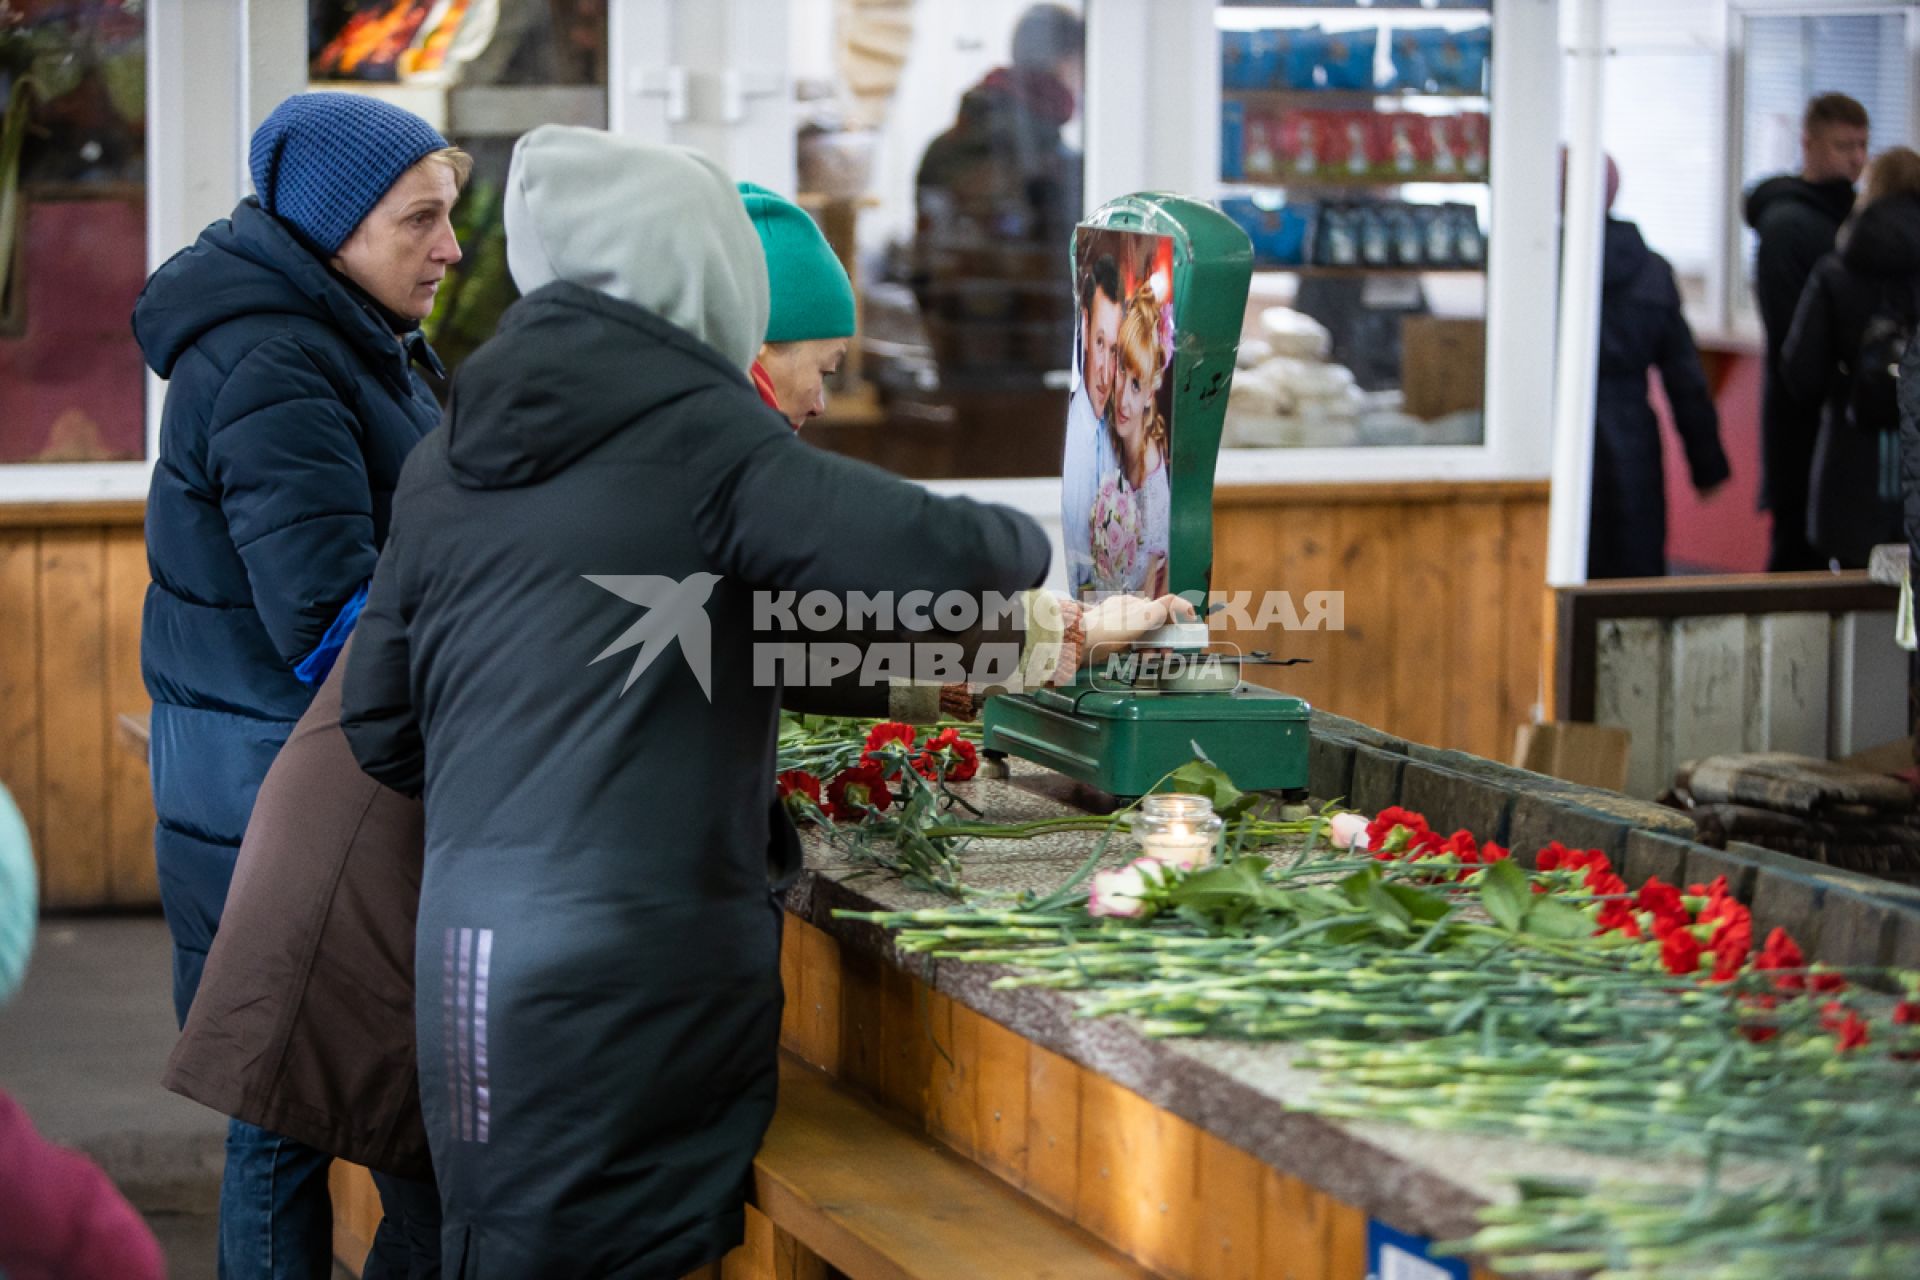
point(1442, 642)
point(72, 579)
point(1444, 588)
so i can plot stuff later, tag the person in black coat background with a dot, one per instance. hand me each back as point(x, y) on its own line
point(1642, 327)
point(1872, 279)
point(597, 956)
point(996, 198)
point(289, 335)
point(1796, 217)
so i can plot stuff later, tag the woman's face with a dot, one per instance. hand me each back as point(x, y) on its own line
point(1132, 400)
point(799, 371)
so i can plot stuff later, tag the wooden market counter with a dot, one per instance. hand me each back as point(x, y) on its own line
point(1109, 1154)
point(1095, 1147)
point(932, 1125)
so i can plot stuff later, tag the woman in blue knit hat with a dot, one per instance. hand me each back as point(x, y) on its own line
point(289, 335)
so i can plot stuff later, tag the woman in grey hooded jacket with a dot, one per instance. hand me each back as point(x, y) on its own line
point(598, 995)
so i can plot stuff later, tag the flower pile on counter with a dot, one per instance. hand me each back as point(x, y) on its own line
point(1436, 983)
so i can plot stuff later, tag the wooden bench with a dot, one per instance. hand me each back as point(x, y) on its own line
point(858, 1192)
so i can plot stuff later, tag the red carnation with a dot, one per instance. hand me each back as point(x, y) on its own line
point(1680, 952)
point(1491, 852)
point(1731, 944)
point(1781, 952)
point(857, 791)
point(798, 789)
point(1605, 884)
point(888, 731)
point(1907, 1013)
point(1419, 839)
point(950, 752)
point(1617, 915)
point(1827, 983)
point(1661, 900)
point(1848, 1028)
point(1716, 890)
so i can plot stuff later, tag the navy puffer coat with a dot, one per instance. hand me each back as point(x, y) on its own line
point(291, 403)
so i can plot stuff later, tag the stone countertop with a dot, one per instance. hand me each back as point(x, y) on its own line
point(1419, 1181)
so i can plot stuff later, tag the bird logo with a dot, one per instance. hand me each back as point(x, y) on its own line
point(675, 610)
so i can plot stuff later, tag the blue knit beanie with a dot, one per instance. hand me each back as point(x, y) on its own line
point(321, 161)
point(18, 908)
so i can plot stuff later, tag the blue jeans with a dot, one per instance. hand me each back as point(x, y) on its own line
point(276, 1218)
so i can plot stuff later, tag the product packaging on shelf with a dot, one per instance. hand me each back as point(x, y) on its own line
point(1434, 60)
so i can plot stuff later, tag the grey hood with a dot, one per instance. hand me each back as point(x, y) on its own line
point(659, 227)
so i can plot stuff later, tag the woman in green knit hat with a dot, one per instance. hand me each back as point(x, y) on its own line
point(812, 316)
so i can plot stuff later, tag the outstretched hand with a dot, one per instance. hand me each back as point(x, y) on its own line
point(1120, 620)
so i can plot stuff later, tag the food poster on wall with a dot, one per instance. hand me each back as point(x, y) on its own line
point(1116, 490)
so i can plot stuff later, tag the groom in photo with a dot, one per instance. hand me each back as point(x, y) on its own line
point(1088, 455)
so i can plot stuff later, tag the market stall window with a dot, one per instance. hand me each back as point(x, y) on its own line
point(483, 72)
point(1354, 153)
point(73, 240)
point(940, 146)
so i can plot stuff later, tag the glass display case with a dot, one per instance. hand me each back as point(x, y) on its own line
point(1355, 143)
point(483, 72)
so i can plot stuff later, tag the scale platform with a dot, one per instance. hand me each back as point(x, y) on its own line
point(1124, 741)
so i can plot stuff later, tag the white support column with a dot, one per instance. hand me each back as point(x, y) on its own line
point(646, 85)
point(711, 74)
point(1577, 365)
point(741, 87)
point(1153, 98)
point(1523, 234)
point(274, 39)
point(197, 128)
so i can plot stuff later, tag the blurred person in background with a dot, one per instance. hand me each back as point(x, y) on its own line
point(1796, 217)
point(60, 1218)
point(1840, 364)
point(1642, 327)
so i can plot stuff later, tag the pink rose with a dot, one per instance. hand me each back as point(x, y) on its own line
point(1123, 893)
point(1347, 831)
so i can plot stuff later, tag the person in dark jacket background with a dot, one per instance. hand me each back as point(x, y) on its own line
point(1001, 186)
point(1872, 280)
point(601, 838)
point(1642, 327)
point(289, 334)
point(1796, 217)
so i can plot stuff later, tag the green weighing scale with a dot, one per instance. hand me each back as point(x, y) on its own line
point(1161, 282)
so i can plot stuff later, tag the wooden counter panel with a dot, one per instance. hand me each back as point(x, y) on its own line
point(70, 600)
point(1444, 589)
point(1179, 1200)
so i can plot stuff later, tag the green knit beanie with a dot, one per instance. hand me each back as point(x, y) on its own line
point(812, 297)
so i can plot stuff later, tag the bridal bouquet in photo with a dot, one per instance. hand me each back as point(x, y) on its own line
point(1117, 535)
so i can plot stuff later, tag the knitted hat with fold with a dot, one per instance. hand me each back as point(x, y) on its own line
point(321, 161)
point(18, 905)
point(811, 295)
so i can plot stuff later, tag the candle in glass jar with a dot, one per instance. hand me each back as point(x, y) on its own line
point(1178, 830)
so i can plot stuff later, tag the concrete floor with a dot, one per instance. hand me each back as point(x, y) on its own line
point(81, 1048)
